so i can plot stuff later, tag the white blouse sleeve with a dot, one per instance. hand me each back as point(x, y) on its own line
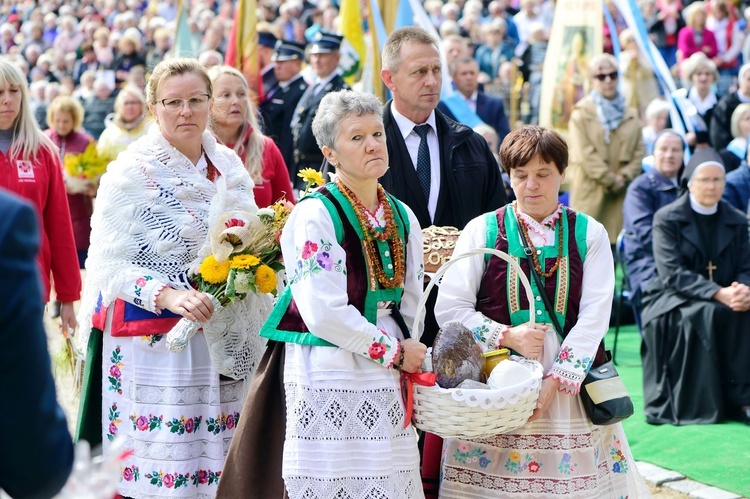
point(579, 348)
point(457, 298)
point(316, 268)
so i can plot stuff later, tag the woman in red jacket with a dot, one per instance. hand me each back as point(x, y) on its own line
point(30, 167)
point(235, 124)
point(64, 117)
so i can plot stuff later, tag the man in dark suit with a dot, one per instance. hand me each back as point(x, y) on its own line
point(324, 59)
point(465, 74)
point(442, 169)
point(281, 100)
point(28, 387)
point(462, 179)
point(266, 45)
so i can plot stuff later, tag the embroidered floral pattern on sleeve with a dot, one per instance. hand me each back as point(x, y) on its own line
point(140, 283)
point(114, 422)
point(570, 369)
point(481, 332)
point(516, 465)
point(115, 371)
point(314, 258)
point(383, 350)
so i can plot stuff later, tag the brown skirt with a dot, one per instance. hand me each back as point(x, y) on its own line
point(253, 465)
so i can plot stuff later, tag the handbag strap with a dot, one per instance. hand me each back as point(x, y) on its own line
point(602, 355)
point(547, 305)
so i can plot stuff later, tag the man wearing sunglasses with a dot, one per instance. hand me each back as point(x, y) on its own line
point(606, 148)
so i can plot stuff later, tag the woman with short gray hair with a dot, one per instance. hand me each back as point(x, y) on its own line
point(338, 107)
point(353, 255)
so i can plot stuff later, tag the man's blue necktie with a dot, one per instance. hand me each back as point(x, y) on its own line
point(424, 171)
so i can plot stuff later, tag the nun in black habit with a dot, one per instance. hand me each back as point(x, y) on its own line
point(696, 337)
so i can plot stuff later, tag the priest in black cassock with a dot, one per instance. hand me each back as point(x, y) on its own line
point(696, 337)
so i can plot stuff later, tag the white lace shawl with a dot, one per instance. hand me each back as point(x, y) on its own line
point(152, 215)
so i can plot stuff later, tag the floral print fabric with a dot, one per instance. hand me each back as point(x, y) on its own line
point(174, 412)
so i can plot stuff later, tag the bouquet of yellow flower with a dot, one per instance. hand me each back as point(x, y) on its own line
point(245, 256)
point(83, 170)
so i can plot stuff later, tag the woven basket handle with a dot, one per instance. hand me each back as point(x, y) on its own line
point(477, 251)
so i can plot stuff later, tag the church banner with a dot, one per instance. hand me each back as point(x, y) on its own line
point(575, 38)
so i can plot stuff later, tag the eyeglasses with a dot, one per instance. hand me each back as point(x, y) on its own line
point(709, 180)
point(612, 76)
point(196, 103)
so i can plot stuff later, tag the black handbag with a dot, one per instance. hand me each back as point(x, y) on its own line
point(603, 394)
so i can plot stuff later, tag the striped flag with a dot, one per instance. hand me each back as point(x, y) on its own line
point(242, 49)
point(352, 56)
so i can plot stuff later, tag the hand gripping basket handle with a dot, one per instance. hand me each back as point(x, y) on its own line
point(478, 251)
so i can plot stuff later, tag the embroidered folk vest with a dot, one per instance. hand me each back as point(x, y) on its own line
point(501, 296)
point(285, 323)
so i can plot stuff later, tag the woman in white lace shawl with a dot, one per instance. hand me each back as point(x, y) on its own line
point(149, 231)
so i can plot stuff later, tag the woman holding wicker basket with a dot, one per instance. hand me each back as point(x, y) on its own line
point(558, 452)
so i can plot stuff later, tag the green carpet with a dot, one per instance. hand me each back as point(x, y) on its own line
point(717, 455)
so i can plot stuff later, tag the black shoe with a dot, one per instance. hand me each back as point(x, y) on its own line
point(54, 309)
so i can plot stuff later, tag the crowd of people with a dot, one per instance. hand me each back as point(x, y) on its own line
point(189, 139)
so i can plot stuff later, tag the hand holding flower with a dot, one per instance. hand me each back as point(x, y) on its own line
point(191, 304)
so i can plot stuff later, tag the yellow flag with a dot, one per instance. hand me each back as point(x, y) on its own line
point(352, 56)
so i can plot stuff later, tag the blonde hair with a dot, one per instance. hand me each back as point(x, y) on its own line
point(27, 137)
point(175, 67)
point(65, 104)
point(695, 62)
point(256, 141)
point(736, 117)
point(133, 91)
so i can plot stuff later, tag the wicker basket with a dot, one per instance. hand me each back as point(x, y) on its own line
point(456, 412)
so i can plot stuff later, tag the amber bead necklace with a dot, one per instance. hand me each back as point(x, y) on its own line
point(534, 257)
point(371, 234)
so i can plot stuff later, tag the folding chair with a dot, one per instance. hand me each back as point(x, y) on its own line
point(625, 293)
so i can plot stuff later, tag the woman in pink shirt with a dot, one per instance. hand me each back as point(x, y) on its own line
point(695, 37)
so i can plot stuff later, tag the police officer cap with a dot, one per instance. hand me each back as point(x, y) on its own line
point(323, 43)
point(287, 50)
point(267, 39)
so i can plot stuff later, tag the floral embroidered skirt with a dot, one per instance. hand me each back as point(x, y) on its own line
point(561, 454)
point(345, 434)
point(177, 415)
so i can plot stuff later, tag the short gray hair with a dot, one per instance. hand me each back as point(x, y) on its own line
point(399, 38)
point(338, 106)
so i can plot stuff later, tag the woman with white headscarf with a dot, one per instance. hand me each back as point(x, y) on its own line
point(695, 314)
